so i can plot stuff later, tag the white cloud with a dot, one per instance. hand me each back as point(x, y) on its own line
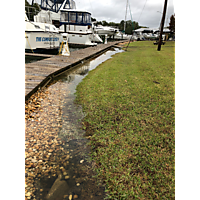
point(114, 10)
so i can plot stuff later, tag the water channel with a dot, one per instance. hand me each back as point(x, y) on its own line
point(57, 161)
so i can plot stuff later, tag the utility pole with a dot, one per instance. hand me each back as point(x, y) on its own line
point(162, 25)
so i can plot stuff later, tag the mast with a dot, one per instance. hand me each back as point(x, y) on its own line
point(125, 16)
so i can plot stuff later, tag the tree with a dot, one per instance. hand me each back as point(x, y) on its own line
point(31, 10)
point(104, 23)
point(121, 25)
point(172, 23)
point(130, 26)
point(27, 3)
point(99, 23)
point(93, 19)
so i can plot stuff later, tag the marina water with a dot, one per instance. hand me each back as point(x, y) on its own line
point(62, 168)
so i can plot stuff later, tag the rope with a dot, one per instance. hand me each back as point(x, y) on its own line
point(142, 10)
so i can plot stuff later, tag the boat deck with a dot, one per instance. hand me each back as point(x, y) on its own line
point(40, 73)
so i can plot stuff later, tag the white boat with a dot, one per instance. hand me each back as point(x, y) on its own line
point(104, 30)
point(64, 15)
point(121, 36)
point(41, 36)
point(150, 36)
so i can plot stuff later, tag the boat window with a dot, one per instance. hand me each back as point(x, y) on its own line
point(79, 17)
point(89, 18)
point(64, 17)
point(86, 18)
point(72, 17)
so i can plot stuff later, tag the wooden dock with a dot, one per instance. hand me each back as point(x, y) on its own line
point(40, 73)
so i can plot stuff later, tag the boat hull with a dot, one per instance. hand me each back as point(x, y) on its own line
point(105, 32)
point(42, 40)
point(83, 39)
point(78, 34)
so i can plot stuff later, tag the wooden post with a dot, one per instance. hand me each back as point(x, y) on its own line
point(162, 25)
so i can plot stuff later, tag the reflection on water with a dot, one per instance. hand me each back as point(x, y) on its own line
point(57, 161)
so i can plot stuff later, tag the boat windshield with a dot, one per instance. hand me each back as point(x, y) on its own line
point(83, 18)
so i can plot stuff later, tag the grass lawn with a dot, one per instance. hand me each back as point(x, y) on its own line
point(130, 107)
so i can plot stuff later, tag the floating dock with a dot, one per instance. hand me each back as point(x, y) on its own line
point(38, 74)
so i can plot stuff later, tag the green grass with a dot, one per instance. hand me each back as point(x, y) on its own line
point(129, 101)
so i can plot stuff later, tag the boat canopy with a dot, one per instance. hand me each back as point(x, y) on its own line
point(75, 17)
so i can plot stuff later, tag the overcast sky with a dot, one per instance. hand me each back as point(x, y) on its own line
point(114, 10)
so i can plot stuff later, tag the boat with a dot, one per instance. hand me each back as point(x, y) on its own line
point(121, 36)
point(104, 30)
point(150, 36)
point(64, 15)
point(41, 36)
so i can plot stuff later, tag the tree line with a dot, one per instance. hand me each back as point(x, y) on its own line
point(172, 24)
point(35, 5)
point(130, 26)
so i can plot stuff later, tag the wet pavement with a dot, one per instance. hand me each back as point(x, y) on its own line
point(57, 161)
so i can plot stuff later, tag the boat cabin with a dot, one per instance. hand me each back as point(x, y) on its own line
point(73, 17)
point(68, 13)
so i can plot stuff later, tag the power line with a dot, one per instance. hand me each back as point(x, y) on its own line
point(142, 10)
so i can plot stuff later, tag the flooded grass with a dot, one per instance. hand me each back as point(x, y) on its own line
point(57, 157)
point(130, 119)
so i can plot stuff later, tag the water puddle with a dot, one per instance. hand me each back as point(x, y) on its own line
point(57, 162)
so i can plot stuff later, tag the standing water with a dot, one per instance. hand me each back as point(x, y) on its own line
point(57, 162)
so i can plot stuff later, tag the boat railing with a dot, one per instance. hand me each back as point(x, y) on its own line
point(31, 12)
